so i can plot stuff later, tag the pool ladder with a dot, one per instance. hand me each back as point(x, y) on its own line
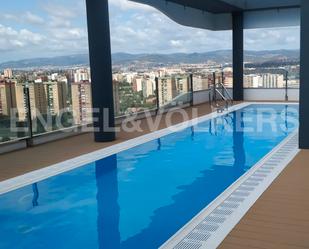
point(218, 94)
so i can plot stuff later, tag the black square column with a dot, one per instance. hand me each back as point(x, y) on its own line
point(238, 56)
point(304, 77)
point(101, 69)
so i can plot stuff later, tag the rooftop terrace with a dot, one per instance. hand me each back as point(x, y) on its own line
point(280, 217)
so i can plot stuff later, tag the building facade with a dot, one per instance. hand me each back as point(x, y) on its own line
point(81, 102)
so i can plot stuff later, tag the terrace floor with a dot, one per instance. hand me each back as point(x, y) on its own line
point(279, 219)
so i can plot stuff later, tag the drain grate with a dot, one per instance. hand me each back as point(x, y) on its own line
point(229, 205)
point(235, 199)
point(223, 211)
point(270, 164)
point(198, 236)
point(263, 171)
point(255, 179)
point(268, 167)
point(246, 188)
point(214, 219)
point(259, 175)
point(207, 227)
point(188, 245)
point(241, 194)
point(248, 183)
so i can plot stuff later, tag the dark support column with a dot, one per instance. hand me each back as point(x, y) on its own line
point(238, 56)
point(101, 69)
point(304, 77)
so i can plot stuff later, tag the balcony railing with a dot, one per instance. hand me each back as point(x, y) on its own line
point(42, 110)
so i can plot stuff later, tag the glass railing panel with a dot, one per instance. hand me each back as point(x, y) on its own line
point(293, 76)
point(174, 91)
point(81, 99)
point(201, 82)
point(228, 77)
point(134, 94)
point(51, 105)
point(13, 111)
point(265, 78)
point(267, 61)
point(52, 63)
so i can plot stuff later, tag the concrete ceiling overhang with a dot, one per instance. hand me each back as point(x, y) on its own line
point(215, 7)
point(217, 14)
point(259, 5)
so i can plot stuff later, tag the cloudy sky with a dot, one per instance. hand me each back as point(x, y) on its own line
point(44, 28)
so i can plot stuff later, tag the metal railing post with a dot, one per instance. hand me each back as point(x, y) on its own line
point(286, 85)
point(215, 87)
point(222, 81)
point(157, 94)
point(192, 92)
point(29, 115)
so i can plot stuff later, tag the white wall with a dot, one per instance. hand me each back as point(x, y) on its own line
point(252, 94)
point(201, 97)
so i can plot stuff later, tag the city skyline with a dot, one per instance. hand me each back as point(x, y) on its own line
point(54, 28)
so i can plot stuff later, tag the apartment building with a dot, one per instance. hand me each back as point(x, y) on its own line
point(47, 98)
point(56, 96)
point(81, 102)
point(166, 90)
point(7, 97)
point(182, 84)
point(8, 73)
point(201, 82)
point(264, 81)
point(12, 99)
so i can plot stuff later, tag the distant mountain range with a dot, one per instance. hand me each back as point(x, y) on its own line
point(220, 56)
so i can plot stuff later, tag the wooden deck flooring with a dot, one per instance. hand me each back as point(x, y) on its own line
point(278, 220)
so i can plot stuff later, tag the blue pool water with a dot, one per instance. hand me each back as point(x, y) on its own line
point(140, 197)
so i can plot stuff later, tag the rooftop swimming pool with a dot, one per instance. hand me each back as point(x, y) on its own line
point(140, 197)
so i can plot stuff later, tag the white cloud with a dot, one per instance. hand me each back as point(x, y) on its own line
point(54, 29)
point(11, 39)
point(7, 16)
point(58, 22)
point(176, 43)
point(142, 32)
point(23, 18)
point(269, 39)
point(32, 18)
point(70, 34)
point(61, 11)
point(30, 37)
